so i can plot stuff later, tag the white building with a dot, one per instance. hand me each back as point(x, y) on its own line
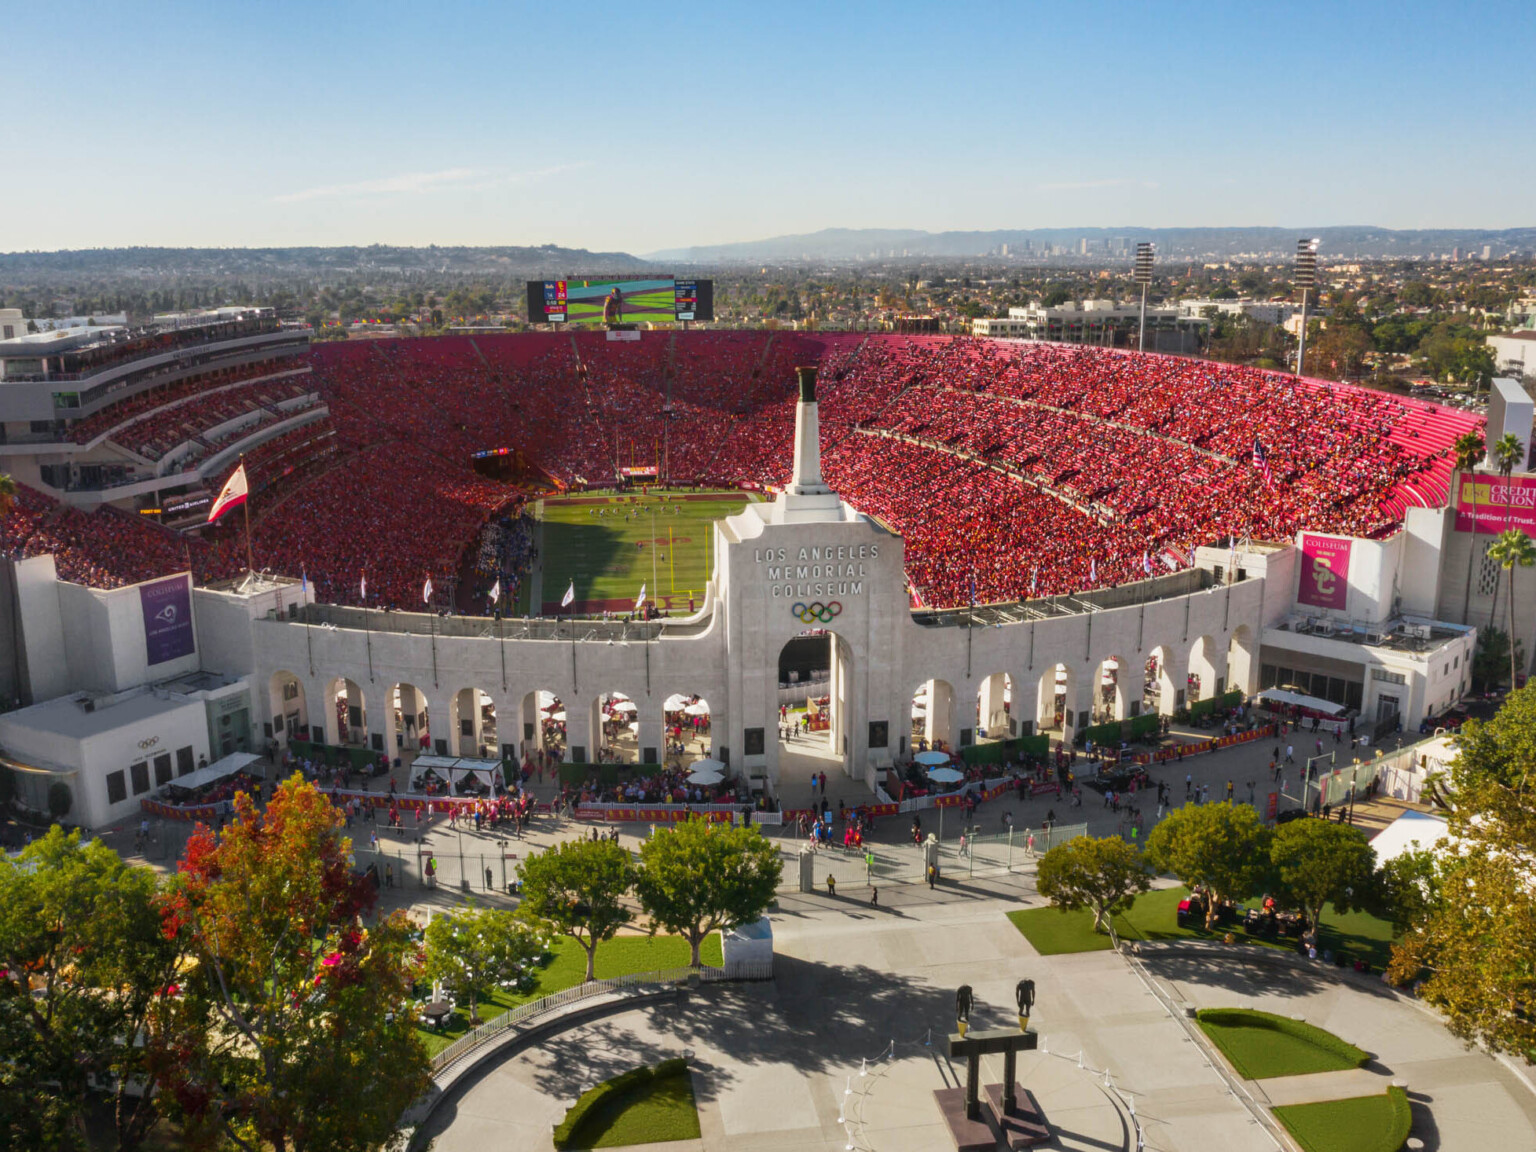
point(1515, 352)
point(1104, 322)
point(116, 683)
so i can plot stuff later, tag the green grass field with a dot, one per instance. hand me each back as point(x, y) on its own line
point(1261, 1045)
point(568, 967)
point(652, 1113)
point(1154, 916)
point(610, 556)
point(1359, 1124)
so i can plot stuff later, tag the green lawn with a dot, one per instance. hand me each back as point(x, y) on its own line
point(609, 557)
point(1359, 1124)
point(653, 1112)
point(1261, 1045)
point(568, 967)
point(1154, 916)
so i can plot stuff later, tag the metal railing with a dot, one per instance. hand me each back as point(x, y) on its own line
point(525, 1013)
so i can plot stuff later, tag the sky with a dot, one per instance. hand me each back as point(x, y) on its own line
point(637, 127)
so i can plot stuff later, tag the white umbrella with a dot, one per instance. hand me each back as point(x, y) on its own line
point(699, 709)
point(707, 765)
point(705, 777)
point(560, 715)
point(934, 758)
point(945, 775)
point(624, 706)
point(674, 702)
point(919, 711)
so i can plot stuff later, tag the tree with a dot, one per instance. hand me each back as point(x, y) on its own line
point(1490, 660)
point(7, 494)
point(1101, 874)
point(1472, 943)
point(696, 878)
point(1317, 862)
point(1469, 450)
point(83, 929)
point(474, 951)
point(1223, 848)
point(1512, 549)
point(578, 886)
point(1406, 887)
point(295, 1031)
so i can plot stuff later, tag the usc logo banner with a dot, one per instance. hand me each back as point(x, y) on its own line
point(1324, 572)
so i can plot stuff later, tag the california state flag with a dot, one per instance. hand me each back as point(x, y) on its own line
point(232, 496)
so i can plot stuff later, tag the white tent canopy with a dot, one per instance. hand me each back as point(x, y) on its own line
point(1409, 831)
point(450, 768)
point(1316, 703)
point(226, 766)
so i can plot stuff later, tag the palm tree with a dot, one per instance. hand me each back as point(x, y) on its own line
point(1512, 548)
point(7, 494)
point(1469, 450)
point(1507, 453)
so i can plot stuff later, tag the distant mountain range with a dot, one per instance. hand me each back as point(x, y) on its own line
point(845, 244)
point(256, 263)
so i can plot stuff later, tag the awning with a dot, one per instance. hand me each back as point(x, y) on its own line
point(1316, 703)
point(225, 766)
point(450, 768)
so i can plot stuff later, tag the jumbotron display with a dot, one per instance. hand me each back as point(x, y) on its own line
point(660, 300)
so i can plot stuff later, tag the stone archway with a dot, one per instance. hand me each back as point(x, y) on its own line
point(1056, 700)
point(996, 702)
point(1164, 692)
point(472, 724)
point(1203, 673)
point(1110, 677)
point(686, 728)
point(1241, 667)
point(346, 712)
point(409, 725)
point(288, 706)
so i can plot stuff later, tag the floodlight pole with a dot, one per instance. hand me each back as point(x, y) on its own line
point(1141, 334)
point(1301, 343)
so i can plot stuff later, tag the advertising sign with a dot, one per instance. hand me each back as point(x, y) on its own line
point(167, 608)
point(1324, 571)
point(1490, 504)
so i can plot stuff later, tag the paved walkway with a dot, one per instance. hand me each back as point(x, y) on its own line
point(1463, 1100)
point(1278, 1091)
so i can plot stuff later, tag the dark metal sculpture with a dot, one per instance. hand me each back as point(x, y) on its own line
point(1024, 995)
point(963, 1003)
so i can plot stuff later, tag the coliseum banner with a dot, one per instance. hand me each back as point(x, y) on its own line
point(1324, 571)
point(167, 608)
point(1490, 504)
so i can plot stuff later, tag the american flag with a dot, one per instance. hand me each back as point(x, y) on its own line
point(1261, 462)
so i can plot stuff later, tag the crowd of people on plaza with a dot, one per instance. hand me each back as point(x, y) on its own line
point(1012, 470)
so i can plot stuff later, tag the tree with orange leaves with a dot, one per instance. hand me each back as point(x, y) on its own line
point(296, 1030)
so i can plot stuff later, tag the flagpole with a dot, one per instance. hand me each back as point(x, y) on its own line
point(367, 628)
point(250, 563)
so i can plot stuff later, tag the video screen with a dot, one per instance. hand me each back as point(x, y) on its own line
point(661, 300)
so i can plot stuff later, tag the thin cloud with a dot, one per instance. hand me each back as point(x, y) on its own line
point(465, 179)
point(1085, 185)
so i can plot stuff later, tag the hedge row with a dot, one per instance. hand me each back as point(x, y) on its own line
point(612, 1090)
point(996, 751)
point(1402, 1121)
point(1317, 1037)
point(578, 774)
point(334, 753)
point(1145, 725)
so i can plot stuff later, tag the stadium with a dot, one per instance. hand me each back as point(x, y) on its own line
point(454, 538)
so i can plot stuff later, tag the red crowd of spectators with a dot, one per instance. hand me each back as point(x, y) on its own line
point(1102, 460)
point(104, 548)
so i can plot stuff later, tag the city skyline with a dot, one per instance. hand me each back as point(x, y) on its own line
point(225, 127)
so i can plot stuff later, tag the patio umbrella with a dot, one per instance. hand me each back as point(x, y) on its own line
point(674, 702)
point(624, 706)
point(560, 715)
point(933, 758)
point(945, 775)
point(705, 777)
point(707, 765)
point(699, 709)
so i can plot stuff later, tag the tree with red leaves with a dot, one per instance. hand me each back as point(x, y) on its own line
point(296, 1032)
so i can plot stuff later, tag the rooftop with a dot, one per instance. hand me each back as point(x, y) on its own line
point(81, 716)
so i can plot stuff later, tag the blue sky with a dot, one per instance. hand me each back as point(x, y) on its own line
point(643, 126)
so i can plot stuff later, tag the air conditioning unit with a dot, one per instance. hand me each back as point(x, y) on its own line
point(1374, 638)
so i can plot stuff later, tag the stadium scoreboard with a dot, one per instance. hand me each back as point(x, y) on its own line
point(654, 300)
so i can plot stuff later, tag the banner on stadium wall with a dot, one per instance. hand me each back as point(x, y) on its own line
point(1489, 504)
point(167, 608)
point(1324, 571)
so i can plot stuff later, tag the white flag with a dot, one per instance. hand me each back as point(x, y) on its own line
point(1146, 563)
point(570, 596)
point(1093, 570)
point(426, 591)
point(496, 590)
point(232, 495)
point(640, 599)
point(362, 587)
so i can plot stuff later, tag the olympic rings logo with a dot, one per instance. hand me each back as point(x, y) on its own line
point(816, 612)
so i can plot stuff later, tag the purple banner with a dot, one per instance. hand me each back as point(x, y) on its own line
point(1324, 571)
point(167, 619)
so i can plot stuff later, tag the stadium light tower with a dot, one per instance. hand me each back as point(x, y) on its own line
point(1306, 280)
point(1143, 276)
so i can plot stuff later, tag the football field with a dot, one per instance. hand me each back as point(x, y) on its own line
point(609, 545)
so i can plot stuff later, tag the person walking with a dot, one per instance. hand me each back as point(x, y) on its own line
point(874, 896)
